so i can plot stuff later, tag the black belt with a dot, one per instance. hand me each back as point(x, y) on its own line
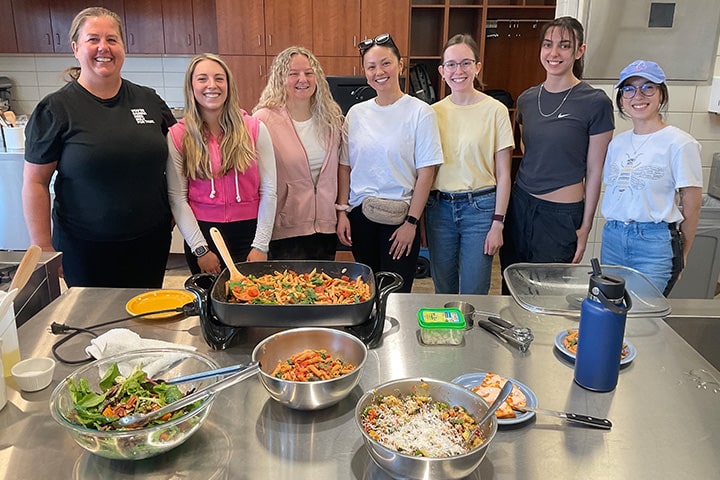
point(462, 195)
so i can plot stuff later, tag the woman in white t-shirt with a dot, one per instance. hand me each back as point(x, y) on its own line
point(646, 170)
point(393, 150)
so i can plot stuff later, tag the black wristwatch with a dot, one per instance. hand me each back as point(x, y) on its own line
point(201, 250)
point(411, 220)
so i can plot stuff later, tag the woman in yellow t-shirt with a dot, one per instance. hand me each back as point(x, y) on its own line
point(469, 197)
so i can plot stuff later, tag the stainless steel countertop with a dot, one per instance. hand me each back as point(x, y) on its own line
point(664, 426)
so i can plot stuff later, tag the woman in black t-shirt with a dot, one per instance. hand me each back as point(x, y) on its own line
point(104, 140)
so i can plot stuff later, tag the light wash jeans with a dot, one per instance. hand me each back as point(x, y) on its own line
point(456, 231)
point(644, 246)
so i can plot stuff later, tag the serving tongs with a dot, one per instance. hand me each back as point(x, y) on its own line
point(137, 420)
point(518, 337)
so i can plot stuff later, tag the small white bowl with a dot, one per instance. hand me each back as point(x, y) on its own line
point(33, 374)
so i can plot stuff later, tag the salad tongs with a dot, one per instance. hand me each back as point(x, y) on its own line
point(140, 419)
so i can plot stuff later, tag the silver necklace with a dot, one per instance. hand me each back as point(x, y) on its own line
point(635, 150)
point(559, 106)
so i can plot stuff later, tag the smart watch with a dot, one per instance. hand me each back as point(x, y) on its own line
point(411, 220)
point(201, 250)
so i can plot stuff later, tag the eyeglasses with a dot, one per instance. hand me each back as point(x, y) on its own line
point(452, 66)
point(647, 89)
point(382, 39)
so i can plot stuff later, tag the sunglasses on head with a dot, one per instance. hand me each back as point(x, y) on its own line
point(382, 39)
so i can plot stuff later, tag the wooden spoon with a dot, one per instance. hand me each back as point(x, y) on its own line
point(236, 278)
point(26, 267)
point(10, 117)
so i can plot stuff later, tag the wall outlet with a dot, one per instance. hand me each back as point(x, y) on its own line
point(714, 105)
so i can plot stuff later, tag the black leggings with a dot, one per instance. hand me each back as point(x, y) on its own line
point(238, 237)
point(319, 246)
point(371, 246)
point(135, 263)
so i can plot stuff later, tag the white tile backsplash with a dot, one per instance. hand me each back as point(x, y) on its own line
point(34, 76)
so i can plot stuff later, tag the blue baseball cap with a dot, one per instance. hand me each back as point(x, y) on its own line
point(645, 69)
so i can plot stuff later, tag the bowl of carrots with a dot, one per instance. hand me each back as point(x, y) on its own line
point(310, 368)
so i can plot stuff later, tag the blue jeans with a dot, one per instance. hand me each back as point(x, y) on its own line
point(644, 246)
point(456, 230)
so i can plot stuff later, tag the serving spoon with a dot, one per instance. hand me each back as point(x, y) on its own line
point(140, 419)
point(236, 278)
point(504, 392)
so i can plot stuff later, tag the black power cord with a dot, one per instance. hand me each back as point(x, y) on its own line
point(189, 309)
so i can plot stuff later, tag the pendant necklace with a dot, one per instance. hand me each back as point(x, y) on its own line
point(559, 106)
point(635, 153)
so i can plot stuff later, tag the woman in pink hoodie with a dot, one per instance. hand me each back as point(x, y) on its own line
point(305, 124)
point(221, 170)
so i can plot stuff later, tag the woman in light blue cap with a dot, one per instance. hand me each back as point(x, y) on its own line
point(653, 178)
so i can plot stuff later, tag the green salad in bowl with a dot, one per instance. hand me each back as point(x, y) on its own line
point(91, 399)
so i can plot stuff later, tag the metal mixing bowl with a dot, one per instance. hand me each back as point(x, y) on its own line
point(399, 465)
point(165, 363)
point(309, 395)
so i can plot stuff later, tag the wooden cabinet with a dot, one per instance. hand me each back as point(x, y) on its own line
point(143, 26)
point(42, 26)
point(189, 26)
point(387, 16)
point(250, 73)
point(339, 26)
point(336, 27)
point(257, 27)
point(341, 65)
point(32, 26)
point(288, 23)
point(8, 43)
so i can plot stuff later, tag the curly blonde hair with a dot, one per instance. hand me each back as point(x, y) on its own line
point(237, 148)
point(325, 110)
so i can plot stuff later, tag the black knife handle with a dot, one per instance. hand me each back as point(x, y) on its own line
point(588, 420)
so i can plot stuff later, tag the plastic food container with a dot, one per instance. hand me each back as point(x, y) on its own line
point(441, 326)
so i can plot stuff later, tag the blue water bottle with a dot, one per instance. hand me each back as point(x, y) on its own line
point(601, 331)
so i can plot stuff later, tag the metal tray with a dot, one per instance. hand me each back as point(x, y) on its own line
point(560, 288)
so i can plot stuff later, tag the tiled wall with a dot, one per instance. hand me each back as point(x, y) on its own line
point(34, 76)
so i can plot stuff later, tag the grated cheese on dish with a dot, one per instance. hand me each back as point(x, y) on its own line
point(419, 426)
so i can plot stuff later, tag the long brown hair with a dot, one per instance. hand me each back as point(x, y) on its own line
point(236, 147)
point(573, 28)
point(73, 73)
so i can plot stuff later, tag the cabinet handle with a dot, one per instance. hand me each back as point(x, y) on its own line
point(49, 38)
point(199, 42)
point(269, 40)
point(260, 70)
point(354, 70)
point(354, 43)
point(189, 40)
point(259, 40)
point(132, 39)
point(57, 35)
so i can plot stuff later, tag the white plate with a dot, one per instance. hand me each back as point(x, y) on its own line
point(470, 380)
point(559, 344)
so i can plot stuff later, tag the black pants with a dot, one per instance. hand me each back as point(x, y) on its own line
point(135, 263)
point(238, 237)
point(371, 246)
point(318, 246)
point(539, 231)
point(678, 263)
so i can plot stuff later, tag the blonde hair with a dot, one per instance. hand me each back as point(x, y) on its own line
point(73, 73)
point(237, 149)
point(324, 109)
